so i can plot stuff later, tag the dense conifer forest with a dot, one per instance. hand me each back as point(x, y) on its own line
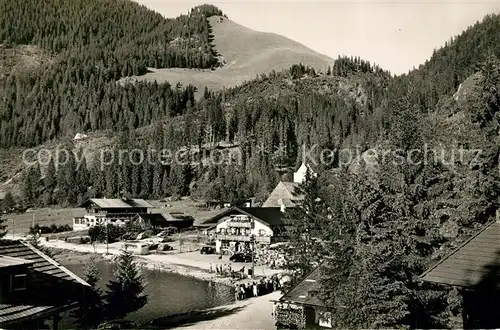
point(93, 44)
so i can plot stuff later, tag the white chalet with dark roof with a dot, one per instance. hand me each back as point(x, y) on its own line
point(103, 210)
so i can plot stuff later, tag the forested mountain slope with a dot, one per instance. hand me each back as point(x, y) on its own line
point(452, 64)
point(94, 43)
point(354, 104)
point(277, 110)
point(380, 232)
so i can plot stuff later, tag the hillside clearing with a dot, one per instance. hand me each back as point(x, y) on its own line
point(246, 53)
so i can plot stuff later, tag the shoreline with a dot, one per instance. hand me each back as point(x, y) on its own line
point(171, 263)
point(71, 257)
point(251, 313)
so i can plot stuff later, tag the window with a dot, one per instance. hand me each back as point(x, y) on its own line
point(262, 232)
point(18, 282)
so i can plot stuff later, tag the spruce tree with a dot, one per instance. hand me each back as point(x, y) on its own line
point(90, 312)
point(303, 224)
point(35, 242)
point(82, 174)
point(157, 181)
point(3, 226)
point(111, 182)
point(50, 176)
point(31, 185)
point(146, 179)
point(135, 180)
point(165, 184)
point(124, 294)
point(8, 202)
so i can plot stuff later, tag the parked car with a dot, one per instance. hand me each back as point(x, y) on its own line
point(118, 325)
point(164, 247)
point(142, 235)
point(165, 240)
point(241, 257)
point(128, 237)
point(162, 233)
point(207, 250)
point(167, 231)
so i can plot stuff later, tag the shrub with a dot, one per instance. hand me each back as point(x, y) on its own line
point(53, 228)
point(98, 233)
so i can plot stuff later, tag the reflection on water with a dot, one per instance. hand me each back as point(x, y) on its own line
point(168, 293)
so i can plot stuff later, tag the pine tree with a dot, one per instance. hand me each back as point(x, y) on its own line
point(35, 242)
point(90, 312)
point(50, 176)
point(304, 225)
point(82, 174)
point(135, 180)
point(8, 202)
point(31, 185)
point(124, 293)
point(98, 178)
point(3, 226)
point(165, 184)
point(111, 183)
point(146, 179)
point(157, 181)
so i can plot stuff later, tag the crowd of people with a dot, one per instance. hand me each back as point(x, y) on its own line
point(264, 286)
point(226, 270)
point(275, 259)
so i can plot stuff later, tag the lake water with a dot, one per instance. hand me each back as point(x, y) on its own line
point(167, 293)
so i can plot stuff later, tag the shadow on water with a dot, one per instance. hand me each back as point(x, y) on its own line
point(481, 300)
point(170, 296)
point(185, 319)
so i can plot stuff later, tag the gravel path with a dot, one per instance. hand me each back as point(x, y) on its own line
point(250, 314)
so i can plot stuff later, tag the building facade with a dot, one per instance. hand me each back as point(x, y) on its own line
point(243, 229)
point(101, 211)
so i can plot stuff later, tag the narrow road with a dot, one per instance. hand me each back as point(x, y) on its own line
point(250, 314)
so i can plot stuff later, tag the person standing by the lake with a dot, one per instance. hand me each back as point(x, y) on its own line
point(255, 293)
point(236, 291)
point(210, 268)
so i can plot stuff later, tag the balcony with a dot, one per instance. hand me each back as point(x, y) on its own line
point(263, 239)
point(243, 238)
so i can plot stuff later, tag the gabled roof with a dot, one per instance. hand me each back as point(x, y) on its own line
point(269, 215)
point(166, 219)
point(471, 262)
point(291, 186)
point(177, 216)
point(283, 191)
point(6, 261)
point(44, 275)
point(117, 203)
point(305, 292)
point(138, 203)
point(154, 219)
